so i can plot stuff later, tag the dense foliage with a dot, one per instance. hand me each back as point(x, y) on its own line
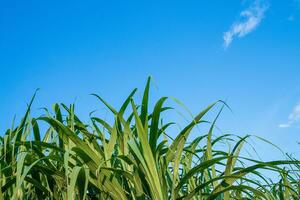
point(133, 157)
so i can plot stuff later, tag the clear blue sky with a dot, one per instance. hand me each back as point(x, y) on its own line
point(70, 49)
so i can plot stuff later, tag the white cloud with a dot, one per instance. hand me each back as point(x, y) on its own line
point(286, 125)
point(293, 117)
point(249, 20)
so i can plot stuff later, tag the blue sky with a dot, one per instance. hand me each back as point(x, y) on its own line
point(246, 52)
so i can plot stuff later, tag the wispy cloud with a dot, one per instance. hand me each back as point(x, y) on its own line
point(249, 19)
point(293, 117)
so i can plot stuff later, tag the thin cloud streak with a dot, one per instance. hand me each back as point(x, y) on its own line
point(293, 117)
point(249, 20)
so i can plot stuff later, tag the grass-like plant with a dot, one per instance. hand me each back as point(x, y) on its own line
point(133, 157)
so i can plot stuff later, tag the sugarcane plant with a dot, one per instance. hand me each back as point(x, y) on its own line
point(137, 155)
